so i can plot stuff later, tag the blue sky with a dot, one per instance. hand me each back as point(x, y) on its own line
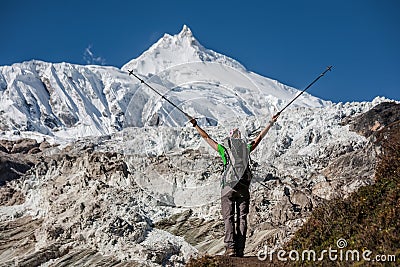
point(291, 41)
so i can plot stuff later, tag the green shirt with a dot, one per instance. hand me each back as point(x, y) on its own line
point(221, 151)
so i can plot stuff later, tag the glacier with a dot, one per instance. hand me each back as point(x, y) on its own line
point(118, 174)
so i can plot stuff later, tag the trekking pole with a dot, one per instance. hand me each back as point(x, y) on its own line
point(316, 79)
point(142, 81)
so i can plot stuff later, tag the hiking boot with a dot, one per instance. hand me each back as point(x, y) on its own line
point(239, 253)
point(230, 252)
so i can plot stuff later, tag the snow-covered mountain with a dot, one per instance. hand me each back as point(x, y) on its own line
point(174, 50)
point(69, 101)
point(62, 99)
point(149, 196)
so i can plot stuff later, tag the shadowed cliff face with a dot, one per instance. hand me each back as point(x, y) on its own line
point(375, 119)
point(17, 157)
point(12, 167)
point(81, 203)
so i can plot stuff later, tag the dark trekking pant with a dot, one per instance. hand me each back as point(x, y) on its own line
point(237, 198)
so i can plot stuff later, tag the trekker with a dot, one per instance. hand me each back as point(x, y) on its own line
point(235, 182)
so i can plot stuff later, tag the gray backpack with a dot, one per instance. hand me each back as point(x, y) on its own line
point(237, 168)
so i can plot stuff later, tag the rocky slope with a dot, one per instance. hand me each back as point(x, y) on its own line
point(369, 218)
point(149, 196)
point(80, 207)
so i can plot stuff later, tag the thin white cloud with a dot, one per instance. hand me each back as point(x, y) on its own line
point(91, 59)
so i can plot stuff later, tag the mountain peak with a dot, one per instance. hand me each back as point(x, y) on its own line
point(172, 50)
point(186, 38)
point(185, 32)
